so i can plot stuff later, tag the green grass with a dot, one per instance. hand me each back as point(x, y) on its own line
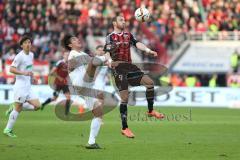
point(208, 134)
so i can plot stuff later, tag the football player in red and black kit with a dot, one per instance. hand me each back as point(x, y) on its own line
point(60, 73)
point(125, 73)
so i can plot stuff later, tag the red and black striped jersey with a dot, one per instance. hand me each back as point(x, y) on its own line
point(62, 72)
point(122, 43)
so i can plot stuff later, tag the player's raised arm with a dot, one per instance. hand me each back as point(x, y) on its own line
point(142, 47)
point(145, 49)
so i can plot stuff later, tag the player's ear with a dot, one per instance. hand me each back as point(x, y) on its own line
point(70, 45)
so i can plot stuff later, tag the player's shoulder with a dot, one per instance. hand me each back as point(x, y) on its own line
point(19, 54)
point(113, 34)
point(110, 35)
point(59, 62)
point(74, 54)
point(31, 54)
point(127, 33)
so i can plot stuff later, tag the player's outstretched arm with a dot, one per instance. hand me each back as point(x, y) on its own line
point(101, 60)
point(14, 70)
point(145, 49)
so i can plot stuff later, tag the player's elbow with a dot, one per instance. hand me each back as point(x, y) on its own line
point(140, 45)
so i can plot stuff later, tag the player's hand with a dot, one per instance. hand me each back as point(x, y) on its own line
point(107, 56)
point(153, 53)
point(28, 74)
point(108, 63)
point(114, 64)
point(108, 60)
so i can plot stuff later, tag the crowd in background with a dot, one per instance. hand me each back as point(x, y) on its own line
point(47, 20)
point(171, 19)
point(194, 80)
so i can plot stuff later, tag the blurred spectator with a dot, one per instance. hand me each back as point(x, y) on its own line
point(234, 61)
point(213, 81)
point(2, 78)
point(10, 55)
point(165, 81)
point(233, 80)
point(176, 80)
point(192, 81)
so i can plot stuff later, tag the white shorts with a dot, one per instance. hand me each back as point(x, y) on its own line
point(77, 80)
point(23, 95)
point(90, 101)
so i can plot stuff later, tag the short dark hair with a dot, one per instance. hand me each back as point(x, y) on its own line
point(66, 41)
point(114, 19)
point(99, 46)
point(24, 38)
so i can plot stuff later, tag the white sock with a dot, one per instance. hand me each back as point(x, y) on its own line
point(27, 107)
point(12, 119)
point(95, 127)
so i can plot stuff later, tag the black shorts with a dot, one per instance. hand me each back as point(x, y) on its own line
point(126, 74)
point(59, 88)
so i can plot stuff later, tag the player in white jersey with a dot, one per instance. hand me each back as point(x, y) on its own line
point(102, 75)
point(83, 76)
point(24, 97)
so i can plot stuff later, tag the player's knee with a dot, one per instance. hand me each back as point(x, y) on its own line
point(68, 97)
point(18, 108)
point(97, 111)
point(150, 84)
point(37, 106)
point(54, 98)
point(100, 96)
point(124, 99)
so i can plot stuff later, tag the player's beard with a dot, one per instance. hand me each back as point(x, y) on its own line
point(121, 27)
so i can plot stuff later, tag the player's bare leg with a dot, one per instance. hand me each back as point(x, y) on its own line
point(123, 112)
point(149, 84)
point(35, 103)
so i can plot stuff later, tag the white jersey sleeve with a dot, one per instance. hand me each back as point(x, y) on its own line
point(17, 61)
point(73, 54)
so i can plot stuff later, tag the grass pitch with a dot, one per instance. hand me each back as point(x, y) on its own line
point(195, 134)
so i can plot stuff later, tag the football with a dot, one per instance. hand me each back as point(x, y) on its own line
point(142, 14)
